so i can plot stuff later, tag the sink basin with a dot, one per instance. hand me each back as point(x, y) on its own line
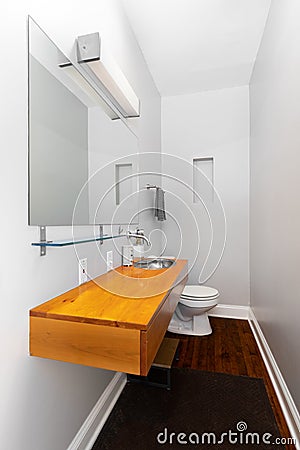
point(154, 263)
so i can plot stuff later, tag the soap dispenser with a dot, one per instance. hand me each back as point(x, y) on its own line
point(138, 248)
point(127, 255)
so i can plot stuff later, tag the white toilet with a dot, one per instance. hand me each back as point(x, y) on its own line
point(190, 316)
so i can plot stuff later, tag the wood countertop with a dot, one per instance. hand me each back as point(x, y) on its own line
point(116, 321)
point(126, 297)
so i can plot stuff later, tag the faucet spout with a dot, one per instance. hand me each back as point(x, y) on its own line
point(139, 235)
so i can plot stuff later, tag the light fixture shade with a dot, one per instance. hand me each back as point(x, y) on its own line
point(107, 72)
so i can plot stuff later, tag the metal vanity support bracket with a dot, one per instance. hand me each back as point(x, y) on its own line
point(101, 234)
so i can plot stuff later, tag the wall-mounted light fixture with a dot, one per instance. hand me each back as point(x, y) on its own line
point(103, 69)
point(82, 88)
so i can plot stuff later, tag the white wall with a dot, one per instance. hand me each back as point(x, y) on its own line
point(43, 402)
point(274, 194)
point(213, 123)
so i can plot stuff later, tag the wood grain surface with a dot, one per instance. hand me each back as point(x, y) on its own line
point(126, 297)
point(83, 343)
point(92, 326)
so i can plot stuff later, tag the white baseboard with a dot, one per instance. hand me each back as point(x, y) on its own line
point(289, 409)
point(90, 429)
point(230, 311)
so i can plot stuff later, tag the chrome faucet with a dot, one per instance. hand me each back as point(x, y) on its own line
point(138, 234)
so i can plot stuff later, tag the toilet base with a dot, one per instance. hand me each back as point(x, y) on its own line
point(197, 326)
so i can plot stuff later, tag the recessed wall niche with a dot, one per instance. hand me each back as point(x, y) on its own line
point(203, 179)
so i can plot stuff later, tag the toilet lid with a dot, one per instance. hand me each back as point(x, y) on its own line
point(198, 291)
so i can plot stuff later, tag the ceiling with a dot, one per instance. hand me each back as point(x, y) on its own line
point(198, 45)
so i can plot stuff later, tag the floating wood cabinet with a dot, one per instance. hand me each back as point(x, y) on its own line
point(115, 322)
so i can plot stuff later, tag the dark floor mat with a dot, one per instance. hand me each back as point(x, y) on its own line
point(199, 403)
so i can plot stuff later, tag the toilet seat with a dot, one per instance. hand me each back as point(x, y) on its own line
point(198, 296)
point(199, 302)
point(198, 292)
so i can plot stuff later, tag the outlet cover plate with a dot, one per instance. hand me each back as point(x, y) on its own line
point(82, 267)
point(109, 261)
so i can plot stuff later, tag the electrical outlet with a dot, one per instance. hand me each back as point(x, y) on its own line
point(82, 271)
point(109, 261)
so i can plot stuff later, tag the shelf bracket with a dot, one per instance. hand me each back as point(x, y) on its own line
point(101, 234)
point(42, 239)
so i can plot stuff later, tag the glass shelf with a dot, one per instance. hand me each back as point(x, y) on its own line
point(66, 242)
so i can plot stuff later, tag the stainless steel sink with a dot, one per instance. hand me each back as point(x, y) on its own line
point(154, 263)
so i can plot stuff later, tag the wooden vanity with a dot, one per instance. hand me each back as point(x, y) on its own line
point(116, 321)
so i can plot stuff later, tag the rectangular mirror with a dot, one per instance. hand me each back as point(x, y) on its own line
point(83, 163)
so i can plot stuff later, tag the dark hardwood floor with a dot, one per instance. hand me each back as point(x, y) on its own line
point(232, 349)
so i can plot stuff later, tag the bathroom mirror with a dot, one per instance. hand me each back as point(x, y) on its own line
point(83, 160)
